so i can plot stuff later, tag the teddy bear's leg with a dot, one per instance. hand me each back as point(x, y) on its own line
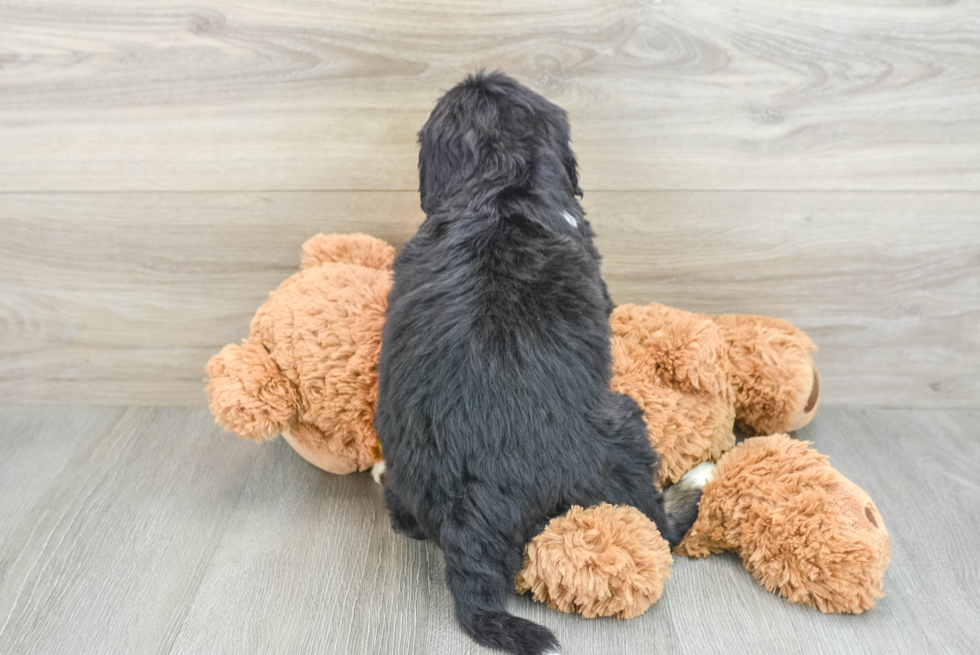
point(802, 529)
point(777, 386)
point(359, 249)
point(605, 560)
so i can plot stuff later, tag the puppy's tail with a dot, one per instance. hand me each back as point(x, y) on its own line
point(478, 580)
point(681, 500)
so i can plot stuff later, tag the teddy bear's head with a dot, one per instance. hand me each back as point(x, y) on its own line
point(308, 369)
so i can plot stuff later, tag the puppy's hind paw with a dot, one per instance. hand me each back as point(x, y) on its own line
point(699, 476)
point(378, 473)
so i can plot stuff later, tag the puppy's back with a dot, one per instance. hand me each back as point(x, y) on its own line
point(495, 349)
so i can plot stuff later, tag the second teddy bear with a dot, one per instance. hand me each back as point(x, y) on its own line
point(802, 529)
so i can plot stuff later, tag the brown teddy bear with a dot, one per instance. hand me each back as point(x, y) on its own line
point(802, 529)
point(308, 369)
point(308, 372)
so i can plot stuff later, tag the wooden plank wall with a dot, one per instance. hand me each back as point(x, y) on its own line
point(161, 163)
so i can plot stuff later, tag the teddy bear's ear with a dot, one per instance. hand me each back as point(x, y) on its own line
point(247, 392)
point(359, 249)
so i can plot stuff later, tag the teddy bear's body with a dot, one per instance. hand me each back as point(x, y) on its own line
point(309, 371)
point(694, 375)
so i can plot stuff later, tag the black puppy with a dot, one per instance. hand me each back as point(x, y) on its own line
point(494, 407)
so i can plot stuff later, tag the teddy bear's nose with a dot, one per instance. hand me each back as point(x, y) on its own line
point(871, 515)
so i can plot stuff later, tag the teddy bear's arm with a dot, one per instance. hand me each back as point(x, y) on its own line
point(247, 392)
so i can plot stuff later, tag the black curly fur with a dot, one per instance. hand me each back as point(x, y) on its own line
point(494, 407)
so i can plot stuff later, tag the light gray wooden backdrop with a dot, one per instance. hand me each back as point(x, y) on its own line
point(161, 163)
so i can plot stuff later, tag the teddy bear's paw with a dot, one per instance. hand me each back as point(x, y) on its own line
point(807, 402)
point(605, 560)
point(826, 548)
point(247, 392)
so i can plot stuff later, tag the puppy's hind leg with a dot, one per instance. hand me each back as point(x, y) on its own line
point(378, 472)
point(477, 576)
point(402, 520)
point(681, 500)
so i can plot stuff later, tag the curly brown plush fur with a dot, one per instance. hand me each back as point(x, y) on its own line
point(674, 364)
point(602, 561)
point(802, 529)
point(308, 369)
point(248, 394)
point(309, 366)
point(356, 249)
point(695, 374)
point(777, 388)
point(692, 374)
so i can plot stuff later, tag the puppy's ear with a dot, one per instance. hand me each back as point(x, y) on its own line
point(571, 168)
point(448, 155)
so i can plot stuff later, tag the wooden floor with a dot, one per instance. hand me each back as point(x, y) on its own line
point(147, 530)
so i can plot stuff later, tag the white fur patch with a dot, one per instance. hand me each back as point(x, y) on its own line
point(571, 219)
point(377, 471)
point(699, 476)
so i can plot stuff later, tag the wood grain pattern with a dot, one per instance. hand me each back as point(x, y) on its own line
point(122, 298)
point(146, 530)
point(104, 95)
point(112, 548)
point(161, 163)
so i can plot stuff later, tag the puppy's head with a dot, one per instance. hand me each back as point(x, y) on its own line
point(491, 133)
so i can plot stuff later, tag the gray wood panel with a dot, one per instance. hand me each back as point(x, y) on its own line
point(147, 530)
point(101, 95)
point(122, 298)
point(123, 512)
